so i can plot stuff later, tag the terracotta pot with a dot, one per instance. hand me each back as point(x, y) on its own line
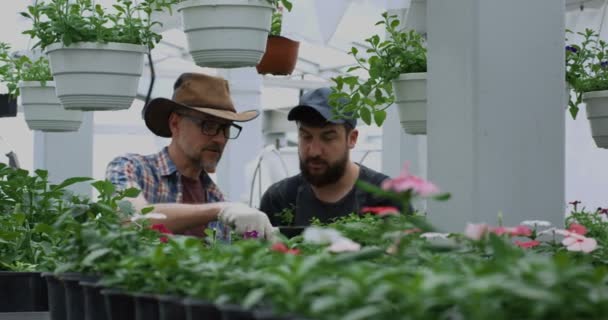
point(280, 57)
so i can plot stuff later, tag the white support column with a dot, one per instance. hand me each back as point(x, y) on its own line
point(67, 155)
point(496, 115)
point(246, 92)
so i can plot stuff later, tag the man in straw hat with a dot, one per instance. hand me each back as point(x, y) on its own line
point(199, 119)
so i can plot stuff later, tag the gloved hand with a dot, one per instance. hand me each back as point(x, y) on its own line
point(246, 219)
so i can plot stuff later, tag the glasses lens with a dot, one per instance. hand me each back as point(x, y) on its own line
point(232, 132)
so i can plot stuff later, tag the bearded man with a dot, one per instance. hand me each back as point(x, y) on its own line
point(325, 188)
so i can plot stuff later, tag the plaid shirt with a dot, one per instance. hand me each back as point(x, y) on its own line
point(156, 176)
point(158, 179)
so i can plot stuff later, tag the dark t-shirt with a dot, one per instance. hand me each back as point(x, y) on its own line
point(296, 194)
point(193, 193)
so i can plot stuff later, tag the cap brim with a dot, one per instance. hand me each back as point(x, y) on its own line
point(156, 115)
point(303, 112)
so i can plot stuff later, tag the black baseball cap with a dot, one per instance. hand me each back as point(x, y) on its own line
point(317, 101)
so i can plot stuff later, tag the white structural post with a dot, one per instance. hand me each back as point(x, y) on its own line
point(246, 92)
point(496, 110)
point(67, 155)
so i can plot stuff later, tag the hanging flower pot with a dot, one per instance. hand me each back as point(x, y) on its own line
point(410, 98)
point(8, 106)
point(597, 113)
point(43, 111)
point(226, 33)
point(93, 76)
point(280, 57)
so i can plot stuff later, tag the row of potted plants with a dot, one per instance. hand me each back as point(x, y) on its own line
point(381, 265)
point(95, 55)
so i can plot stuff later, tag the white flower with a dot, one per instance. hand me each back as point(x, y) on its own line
point(475, 231)
point(434, 235)
point(319, 235)
point(344, 245)
point(576, 242)
point(536, 223)
point(151, 215)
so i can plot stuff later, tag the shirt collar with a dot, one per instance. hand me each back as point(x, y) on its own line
point(167, 167)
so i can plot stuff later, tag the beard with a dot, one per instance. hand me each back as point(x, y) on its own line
point(199, 159)
point(331, 175)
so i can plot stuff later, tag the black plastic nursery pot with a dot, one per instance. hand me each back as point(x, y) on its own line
point(171, 308)
point(94, 303)
point(56, 296)
point(74, 293)
point(120, 305)
point(235, 312)
point(146, 307)
point(22, 292)
point(291, 231)
point(8, 106)
point(201, 309)
point(270, 315)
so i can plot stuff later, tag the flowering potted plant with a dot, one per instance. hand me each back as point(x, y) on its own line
point(397, 64)
point(96, 55)
point(8, 101)
point(281, 53)
point(227, 33)
point(32, 80)
point(587, 76)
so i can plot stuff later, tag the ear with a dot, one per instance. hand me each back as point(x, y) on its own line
point(352, 138)
point(174, 124)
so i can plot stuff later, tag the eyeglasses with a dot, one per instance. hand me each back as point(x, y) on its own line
point(212, 128)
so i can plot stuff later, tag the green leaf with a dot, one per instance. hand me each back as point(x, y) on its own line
point(365, 115)
point(70, 181)
point(379, 117)
point(131, 192)
point(367, 312)
point(43, 228)
point(253, 298)
point(94, 255)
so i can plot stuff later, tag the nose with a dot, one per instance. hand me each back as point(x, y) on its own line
point(314, 148)
point(219, 139)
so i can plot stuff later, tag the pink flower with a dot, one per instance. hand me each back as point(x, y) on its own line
point(281, 247)
point(381, 211)
point(405, 181)
point(527, 244)
point(577, 228)
point(576, 242)
point(475, 231)
point(519, 231)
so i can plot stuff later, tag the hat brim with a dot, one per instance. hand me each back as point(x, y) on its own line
point(157, 112)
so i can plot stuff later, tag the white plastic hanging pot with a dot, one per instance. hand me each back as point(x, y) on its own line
point(226, 33)
point(597, 113)
point(43, 111)
point(94, 76)
point(410, 98)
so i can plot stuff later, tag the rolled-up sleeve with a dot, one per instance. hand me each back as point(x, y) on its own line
point(124, 172)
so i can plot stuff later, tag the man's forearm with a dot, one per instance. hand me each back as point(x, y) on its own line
point(181, 217)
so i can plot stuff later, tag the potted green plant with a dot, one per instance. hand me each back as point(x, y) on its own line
point(32, 80)
point(96, 54)
point(587, 76)
point(281, 53)
point(397, 74)
point(227, 33)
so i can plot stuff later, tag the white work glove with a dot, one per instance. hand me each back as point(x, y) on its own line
point(246, 219)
